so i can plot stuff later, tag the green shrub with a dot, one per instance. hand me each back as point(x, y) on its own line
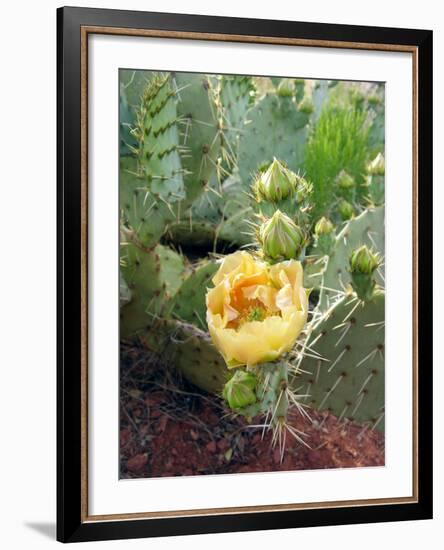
point(338, 142)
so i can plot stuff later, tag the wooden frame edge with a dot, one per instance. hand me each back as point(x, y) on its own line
point(85, 31)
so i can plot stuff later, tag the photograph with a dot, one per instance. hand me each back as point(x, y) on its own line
point(251, 273)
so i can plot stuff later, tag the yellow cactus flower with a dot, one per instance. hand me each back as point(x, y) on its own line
point(255, 311)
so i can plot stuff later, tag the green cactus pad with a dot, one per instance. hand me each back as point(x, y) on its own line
point(157, 134)
point(367, 228)
point(199, 129)
point(276, 129)
point(188, 304)
point(191, 351)
point(153, 277)
point(236, 97)
point(349, 379)
point(141, 211)
point(314, 267)
point(376, 189)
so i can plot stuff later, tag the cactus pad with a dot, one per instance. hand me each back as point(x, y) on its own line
point(277, 129)
point(191, 351)
point(188, 304)
point(157, 134)
point(348, 377)
point(367, 228)
point(152, 277)
point(200, 134)
point(141, 211)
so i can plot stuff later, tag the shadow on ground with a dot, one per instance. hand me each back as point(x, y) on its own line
point(47, 529)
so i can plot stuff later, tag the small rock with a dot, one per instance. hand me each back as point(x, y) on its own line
point(137, 462)
point(211, 447)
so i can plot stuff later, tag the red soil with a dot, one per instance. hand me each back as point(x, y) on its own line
point(168, 428)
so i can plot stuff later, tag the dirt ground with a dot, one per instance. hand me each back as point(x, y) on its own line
point(170, 428)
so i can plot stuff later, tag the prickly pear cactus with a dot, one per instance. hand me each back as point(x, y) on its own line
point(159, 164)
point(343, 369)
point(276, 129)
point(266, 393)
point(236, 96)
point(188, 304)
point(191, 352)
point(152, 276)
point(200, 132)
point(367, 228)
point(141, 211)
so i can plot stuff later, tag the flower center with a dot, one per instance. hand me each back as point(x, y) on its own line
point(256, 313)
point(251, 310)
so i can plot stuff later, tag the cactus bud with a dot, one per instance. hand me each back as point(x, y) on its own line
point(377, 166)
point(346, 210)
point(324, 235)
point(281, 238)
point(363, 260)
point(276, 183)
point(239, 391)
point(306, 105)
point(286, 88)
point(323, 227)
point(345, 181)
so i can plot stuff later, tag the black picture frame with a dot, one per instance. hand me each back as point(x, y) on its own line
point(72, 526)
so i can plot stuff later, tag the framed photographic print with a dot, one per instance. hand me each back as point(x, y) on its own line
point(244, 286)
